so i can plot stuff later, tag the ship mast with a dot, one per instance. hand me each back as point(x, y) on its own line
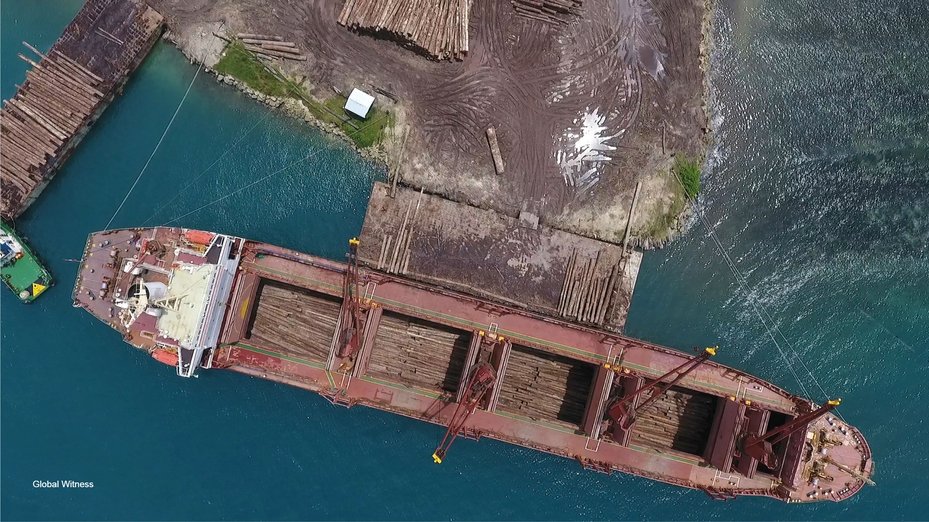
point(761, 447)
point(352, 318)
point(619, 411)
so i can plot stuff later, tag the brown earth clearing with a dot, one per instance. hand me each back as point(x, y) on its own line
point(582, 111)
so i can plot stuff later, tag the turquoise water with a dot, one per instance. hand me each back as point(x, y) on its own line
point(819, 189)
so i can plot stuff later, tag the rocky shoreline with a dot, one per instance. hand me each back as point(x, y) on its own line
point(292, 107)
point(685, 219)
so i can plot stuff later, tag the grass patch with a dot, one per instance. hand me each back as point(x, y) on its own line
point(242, 65)
point(364, 133)
point(688, 171)
point(660, 225)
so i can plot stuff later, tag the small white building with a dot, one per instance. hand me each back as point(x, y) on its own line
point(359, 103)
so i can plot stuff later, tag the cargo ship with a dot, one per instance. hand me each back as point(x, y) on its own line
point(21, 270)
point(198, 300)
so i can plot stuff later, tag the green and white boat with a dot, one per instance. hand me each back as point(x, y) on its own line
point(21, 270)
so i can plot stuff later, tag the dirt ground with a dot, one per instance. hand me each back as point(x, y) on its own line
point(582, 111)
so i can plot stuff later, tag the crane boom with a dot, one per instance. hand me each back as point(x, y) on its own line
point(481, 382)
point(623, 417)
point(761, 447)
point(351, 309)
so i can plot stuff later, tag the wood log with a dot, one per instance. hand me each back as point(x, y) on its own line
point(495, 150)
point(567, 276)
point(276, 54)
point(50, 127)
point(259, 37)
point(82, 102)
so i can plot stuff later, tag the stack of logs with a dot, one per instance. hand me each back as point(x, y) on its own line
point(678, 420)
point(58, 98)
point(586, 296)
point(418, 352)
point(294, 321)
point(437, 27)
point(271, 46)
point(544, 386)
point(395, 250)
point(549, 11)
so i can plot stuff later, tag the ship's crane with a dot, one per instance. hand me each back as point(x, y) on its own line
point(761, 447)
point(620, 413)
point(351, 309)
point(482, 381)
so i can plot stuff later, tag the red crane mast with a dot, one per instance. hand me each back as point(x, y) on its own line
point(624, 417)
point(352, 314)
point(761, 447)
point(482, 381)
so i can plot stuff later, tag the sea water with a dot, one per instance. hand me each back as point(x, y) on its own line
point(817, 189)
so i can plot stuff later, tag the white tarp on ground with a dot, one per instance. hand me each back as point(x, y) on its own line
point(359, 103)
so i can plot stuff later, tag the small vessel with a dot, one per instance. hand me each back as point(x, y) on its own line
point(21, 270)
point(197, 300)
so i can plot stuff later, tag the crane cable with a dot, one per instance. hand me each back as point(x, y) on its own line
point(160, 140)
point(758, 308)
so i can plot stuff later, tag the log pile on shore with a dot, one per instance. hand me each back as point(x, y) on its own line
point(437, 27)
point(395, 250)
point(549, 11)
point(587, 294)
point(271, 46)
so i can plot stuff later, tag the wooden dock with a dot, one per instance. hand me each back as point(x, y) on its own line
point(65, 92)
point(498, 257)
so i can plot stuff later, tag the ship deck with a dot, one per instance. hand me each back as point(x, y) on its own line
point(418, 344)
point(414, 357)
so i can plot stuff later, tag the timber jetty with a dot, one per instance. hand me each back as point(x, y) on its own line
point(197, 300)
point(66, 91)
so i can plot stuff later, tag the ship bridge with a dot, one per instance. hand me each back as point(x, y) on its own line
point(194, 304)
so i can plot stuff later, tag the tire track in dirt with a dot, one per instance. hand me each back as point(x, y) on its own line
point(529, 80)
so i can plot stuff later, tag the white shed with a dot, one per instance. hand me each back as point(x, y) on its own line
point(359, 103)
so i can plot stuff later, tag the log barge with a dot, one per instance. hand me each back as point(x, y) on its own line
point(66, 91)
point(199, 300)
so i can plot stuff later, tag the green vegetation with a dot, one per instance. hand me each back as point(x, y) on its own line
point(660, 225)
point(688, 171)
point(364, 133)
point(242, 64)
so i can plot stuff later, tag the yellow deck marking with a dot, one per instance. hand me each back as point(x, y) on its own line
point(244, 307)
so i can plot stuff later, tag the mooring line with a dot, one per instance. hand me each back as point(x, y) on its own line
point(160, 140)
point(240, 189)
point(758, 308)
point(204, 171)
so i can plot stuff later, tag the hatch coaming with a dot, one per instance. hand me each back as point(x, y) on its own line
point(451, 318)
